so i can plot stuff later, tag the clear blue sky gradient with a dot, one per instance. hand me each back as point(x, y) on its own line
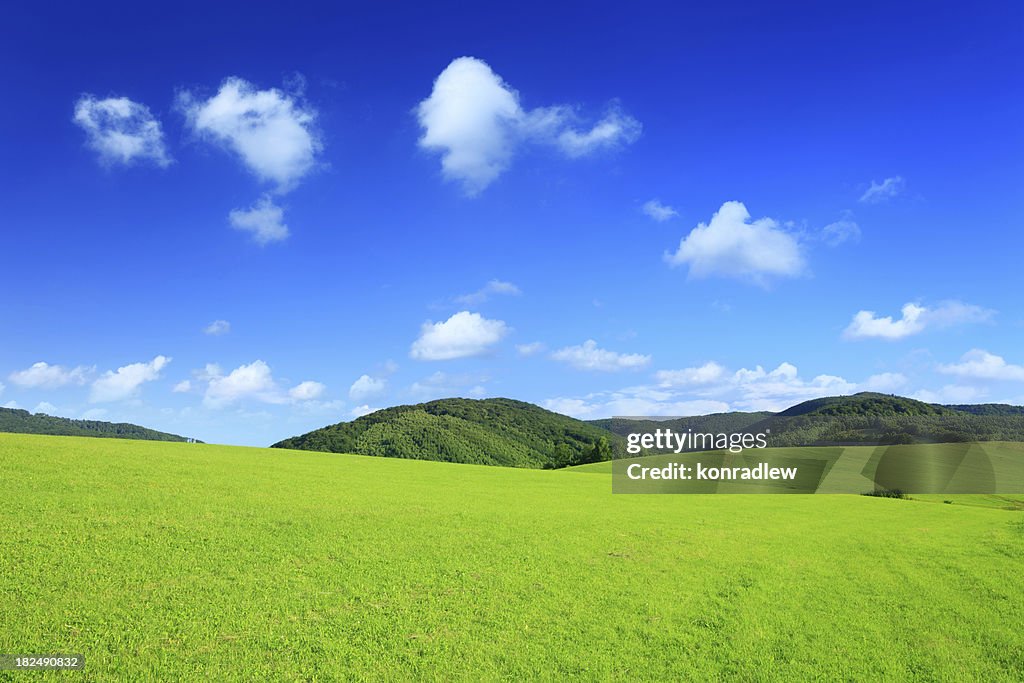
point(792, 110)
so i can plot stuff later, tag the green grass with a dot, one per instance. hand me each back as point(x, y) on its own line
point(185, 562)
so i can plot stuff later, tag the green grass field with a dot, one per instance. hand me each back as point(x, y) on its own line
point(184, 562)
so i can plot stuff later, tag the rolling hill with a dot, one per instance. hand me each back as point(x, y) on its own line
point(493, 431)
point(24, 422)
point(501, 431)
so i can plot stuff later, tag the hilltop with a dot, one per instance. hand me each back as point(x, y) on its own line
point(23, 422)
point(493, 431)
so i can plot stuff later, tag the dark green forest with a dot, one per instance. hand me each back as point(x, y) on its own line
point(24, 422)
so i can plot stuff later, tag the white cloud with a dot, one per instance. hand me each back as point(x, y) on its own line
point(613, 130)
point(182, 387)
point(475, 120)
point(125, 382)
point(94, 414)
point(359, 411)
point(883, 191)
point(531, 349)
point(218, 327)
point(951, 393)
point(441, 385)
point(121, 131)
point(46, 408)
point(705, 374)
point(307, 391)
point(271, 131)
point(367, 387)
point(587, 356)
point(264, 220)
point(915, 319)
point(708, 388)
point(13, 405)
point(45, 376)
point(731, 246)
point(844, 230)
point(252, 381)
point(885, 382)
point(484, 293)
point(658, 211)
point(255, 382)
point(463, 335)
point(980, 364)
point(866, 324)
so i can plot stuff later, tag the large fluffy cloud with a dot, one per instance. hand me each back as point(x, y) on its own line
point(475, 120)
point(914, 319)
point(125, 382)
point(270, 130)
point(264, 221)
point(121, 131)
point(45, 376)
point(588, 356)
point(463, 335)
point(730, 245)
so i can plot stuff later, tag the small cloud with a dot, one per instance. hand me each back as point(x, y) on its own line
point(264, 221)
point(883, 191)
point(705, 374)
point(587, 356)
point(531, 349)
point(658, 211)
point(182, 387)
point(271, 131)
point(46, 408)
point(979, 364)
point(13, 405)
point(463, 335)
point(126, 381)
point(45, 376)
point(217, 328)
point(844, 230)
point(307, 391)
point(730, 245)
point(951, 393)
point(121, 131)
point(915, 319)
point(359, 411)
point(441, 384)
point(886, 382)
point(614, 130)
point(367, 387)
point(95, 414)
point(487, 291)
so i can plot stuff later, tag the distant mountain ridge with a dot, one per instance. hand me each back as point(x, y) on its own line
point(14, 420)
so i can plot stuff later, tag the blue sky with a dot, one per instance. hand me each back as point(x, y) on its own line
point(241, 224)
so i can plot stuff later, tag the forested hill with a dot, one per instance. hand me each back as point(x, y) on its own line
point(861, 418)
point(24, 422)
point(493, 431)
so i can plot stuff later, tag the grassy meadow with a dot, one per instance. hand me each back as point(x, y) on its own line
point(187, 561)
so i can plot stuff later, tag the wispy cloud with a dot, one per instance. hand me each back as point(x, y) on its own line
point(883, 191)
point(121, 131)
point(658, 211)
